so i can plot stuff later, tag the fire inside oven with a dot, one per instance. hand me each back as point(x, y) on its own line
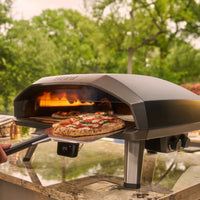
point(46, 100)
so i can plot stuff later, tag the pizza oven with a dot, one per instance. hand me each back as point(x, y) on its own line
point(157, 113)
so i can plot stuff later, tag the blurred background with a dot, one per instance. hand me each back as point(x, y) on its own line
point(149, 37)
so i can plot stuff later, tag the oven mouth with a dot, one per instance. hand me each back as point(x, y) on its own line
point(40, 102)
point(70, 96)
point(62, 98)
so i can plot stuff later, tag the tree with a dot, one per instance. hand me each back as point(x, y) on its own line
point(74, 35)
point(184, 61)
point(5, 6)
point(137, 30)
point(145, 27)
point(30, 55)
point(5, 20)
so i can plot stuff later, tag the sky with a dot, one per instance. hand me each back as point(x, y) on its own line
point(26, 9)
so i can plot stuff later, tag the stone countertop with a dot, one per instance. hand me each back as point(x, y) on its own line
point(44, 191)
point(97, 172)
point(93, 185)
point(89, 188)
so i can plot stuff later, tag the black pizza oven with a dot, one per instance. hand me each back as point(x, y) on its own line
point(158, 114)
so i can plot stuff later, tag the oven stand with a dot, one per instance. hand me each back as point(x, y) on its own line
point(29, 153)
point(133, 154)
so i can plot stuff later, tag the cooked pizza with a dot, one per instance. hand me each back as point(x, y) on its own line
point(87, 124)
point(64, 115)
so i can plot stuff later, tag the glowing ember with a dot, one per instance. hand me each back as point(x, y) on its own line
point(60, 99)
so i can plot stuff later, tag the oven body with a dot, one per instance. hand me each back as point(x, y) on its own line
point(158, 113)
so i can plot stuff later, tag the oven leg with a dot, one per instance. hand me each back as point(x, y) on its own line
point(133, 155)
point(29, 153)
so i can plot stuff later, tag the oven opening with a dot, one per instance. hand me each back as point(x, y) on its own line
point(43, 101)
point(65, 97)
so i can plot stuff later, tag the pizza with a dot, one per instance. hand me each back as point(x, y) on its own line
point(64, 115)
point(87, 124)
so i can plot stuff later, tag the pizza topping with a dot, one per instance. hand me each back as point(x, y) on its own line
point(86, 121)
point(96, 120)
point(71, 113)
point(100, 113)
point(65, 115)
point(71, 126)
point(104, 122)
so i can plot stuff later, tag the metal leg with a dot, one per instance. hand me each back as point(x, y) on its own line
point(134, 151)
point(29, 153)
point(32, 173)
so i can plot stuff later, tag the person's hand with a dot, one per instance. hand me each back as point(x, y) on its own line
point(3, 156)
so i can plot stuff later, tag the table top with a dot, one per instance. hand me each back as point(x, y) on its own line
point(97, 171)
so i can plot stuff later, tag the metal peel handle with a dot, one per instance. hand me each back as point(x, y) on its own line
point(25, 144)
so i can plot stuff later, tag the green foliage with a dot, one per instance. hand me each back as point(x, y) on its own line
point(184, 60)
point(75, 40)
point(28, 54)
point(5, 6)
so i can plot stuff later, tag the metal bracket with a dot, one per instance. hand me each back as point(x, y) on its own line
point(32, 148)
point(29, 153)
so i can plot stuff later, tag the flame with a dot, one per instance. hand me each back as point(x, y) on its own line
point(60, 99)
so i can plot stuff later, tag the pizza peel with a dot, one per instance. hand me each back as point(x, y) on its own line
point(47, 135)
